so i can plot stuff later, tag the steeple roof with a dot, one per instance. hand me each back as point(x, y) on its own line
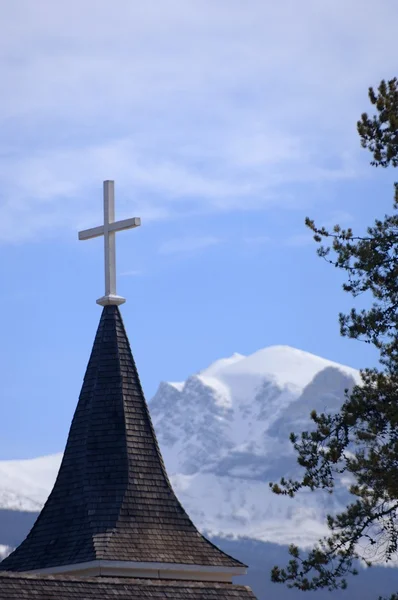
point(112, 500)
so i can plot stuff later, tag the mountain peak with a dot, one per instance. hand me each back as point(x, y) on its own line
point(289, 366)
point(238, 376)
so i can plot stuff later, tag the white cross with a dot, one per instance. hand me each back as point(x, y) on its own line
point(108, 230)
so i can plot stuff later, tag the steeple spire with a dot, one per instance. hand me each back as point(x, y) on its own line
point(112, 509)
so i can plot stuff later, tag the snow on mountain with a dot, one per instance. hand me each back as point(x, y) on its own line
point(224, 435)
point(4, 551)
point(25, 484)
point(286, 367)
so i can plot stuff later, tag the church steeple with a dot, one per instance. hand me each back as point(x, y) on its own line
point(112, 509)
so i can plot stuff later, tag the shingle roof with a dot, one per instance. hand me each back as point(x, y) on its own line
point(112, 499)
point(44, 587)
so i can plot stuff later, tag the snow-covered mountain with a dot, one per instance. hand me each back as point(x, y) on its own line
point(224, 435)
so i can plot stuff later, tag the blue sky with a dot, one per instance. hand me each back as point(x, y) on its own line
point(224, 124)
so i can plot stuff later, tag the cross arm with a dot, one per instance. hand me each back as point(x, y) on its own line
point(125, 224)
point(88, 234)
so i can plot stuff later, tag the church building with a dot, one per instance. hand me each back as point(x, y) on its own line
point(112, 527)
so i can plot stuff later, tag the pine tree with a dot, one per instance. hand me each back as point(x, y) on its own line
point(361, 440)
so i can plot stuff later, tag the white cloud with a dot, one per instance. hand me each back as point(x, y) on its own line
point(188, 244)
point(198, 106)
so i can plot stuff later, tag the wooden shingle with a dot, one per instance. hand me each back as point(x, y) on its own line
point(44, 587)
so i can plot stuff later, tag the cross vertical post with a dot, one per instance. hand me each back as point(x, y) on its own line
point(108, 230)
point(109, 239)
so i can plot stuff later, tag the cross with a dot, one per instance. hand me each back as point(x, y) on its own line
point(108, 230)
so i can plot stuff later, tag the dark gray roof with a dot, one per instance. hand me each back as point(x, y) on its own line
point(112, 499)
point(44, 587)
